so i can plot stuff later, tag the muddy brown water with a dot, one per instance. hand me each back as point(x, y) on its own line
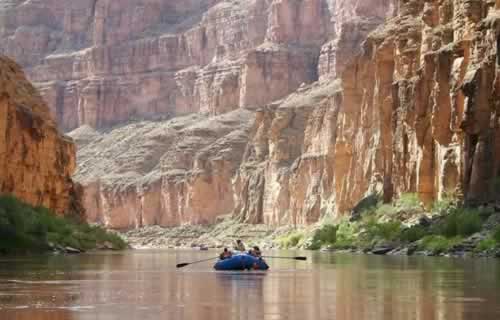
point(146, 285)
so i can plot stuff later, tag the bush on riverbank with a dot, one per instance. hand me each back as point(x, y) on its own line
point(460, 222)
point(399, 224)
point(36, 229)
point(291, 240)
point(438, 244)
point(491, 242)
point(496, 234)
point(326, 235)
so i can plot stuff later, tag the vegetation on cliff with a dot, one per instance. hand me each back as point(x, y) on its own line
point(24, 228)
point(405, 226)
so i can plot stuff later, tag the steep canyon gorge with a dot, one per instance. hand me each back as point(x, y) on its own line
point(274, 111)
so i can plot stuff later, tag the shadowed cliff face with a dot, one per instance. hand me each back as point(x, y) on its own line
point(36, 161)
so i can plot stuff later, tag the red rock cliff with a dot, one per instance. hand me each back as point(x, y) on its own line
point(256, 52)
point(416, 111)
point(36, 161)
point(102, 62)
point(413, 107)
point(194, 175)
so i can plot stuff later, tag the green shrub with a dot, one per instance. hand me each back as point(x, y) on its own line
point(326, 235)
point(439, 244)
point(496, 234)
point(311, 244)
point(486, 244)
point(413, 233)
point(291, 240)
point(385, 231)
point(26, 228)
point(461, 222)
point(390, 230)
point(346, 234)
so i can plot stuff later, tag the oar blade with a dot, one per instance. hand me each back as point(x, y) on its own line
point(301, 258)
point(182, 265)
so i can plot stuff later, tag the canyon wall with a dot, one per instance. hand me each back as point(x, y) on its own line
point(162, 173)
point(265, 51)
point(36, 161)
point(417, 112)
point(103, 62)
point(285, 111)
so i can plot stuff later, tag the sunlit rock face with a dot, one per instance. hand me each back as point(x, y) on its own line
point(350, 23)
point(427, 87)
point(406, 101)
point(36, 161)
point(162, 173)
point(103, 62)
point(417, 112)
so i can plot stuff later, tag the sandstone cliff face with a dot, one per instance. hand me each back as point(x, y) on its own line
point(177, 58)
point(162, 173)
point(432, 74)
point(36, 161)
point(417, 113)
point(413, 109)
point(102, 62)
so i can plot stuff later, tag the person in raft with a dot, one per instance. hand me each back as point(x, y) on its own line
point(255, 251)
point(226, 254)
point(239, 246)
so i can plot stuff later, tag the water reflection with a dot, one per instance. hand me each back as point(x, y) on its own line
point(145, 285)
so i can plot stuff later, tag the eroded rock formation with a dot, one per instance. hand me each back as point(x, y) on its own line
point(408, 106)
point(234, 55)
point(36, 161)
point(102, 62)
point(162, 173)
point(418, 112)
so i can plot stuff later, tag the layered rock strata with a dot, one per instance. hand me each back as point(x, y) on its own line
point(36, 161)
point(103, 62)
point(418, 112)
point(414, 109)
point(294, 34)
point(162, 173)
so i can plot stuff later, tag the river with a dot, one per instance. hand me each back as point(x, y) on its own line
point(146, 285)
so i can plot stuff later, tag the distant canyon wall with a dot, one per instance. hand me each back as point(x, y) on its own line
point(36, 160)
point(103, 62)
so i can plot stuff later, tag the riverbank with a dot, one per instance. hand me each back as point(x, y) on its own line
point(222, 234)
point(404, 227)
point(28, 229)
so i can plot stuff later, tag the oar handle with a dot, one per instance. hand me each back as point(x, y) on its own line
point(293, 258)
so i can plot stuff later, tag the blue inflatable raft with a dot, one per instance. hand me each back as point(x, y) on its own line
point(241, 262)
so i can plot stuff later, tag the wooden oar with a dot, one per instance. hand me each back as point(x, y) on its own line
point(182, 265)
point(294, 258)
